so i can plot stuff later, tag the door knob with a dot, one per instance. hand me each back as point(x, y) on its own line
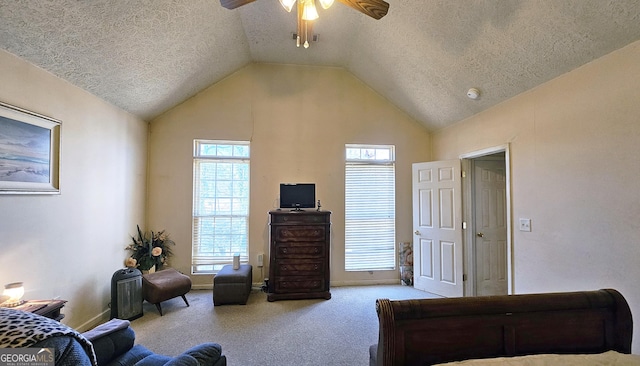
point(480, 235)
point(417, 232)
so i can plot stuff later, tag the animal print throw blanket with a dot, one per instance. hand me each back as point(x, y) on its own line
point(20, 329)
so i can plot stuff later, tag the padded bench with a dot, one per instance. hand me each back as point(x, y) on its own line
point(232, 286)
point(164, 285)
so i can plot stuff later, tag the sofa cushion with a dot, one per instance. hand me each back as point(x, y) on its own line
point(181, 360)
point(113, 345)
point(105, 329)
point(133, 356)
point(67, 351)
point(205, 352)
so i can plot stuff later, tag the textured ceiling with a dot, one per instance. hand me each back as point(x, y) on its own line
point(147, 56)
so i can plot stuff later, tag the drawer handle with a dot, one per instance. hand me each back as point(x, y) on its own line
point(316, 250)
point(284, 268)
point(284, 250)
point(315, 267)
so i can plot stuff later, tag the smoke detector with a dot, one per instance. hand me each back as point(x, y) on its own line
point(473, 93)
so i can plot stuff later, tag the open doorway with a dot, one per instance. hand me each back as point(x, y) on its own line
point(462, 224)
point(486, 216)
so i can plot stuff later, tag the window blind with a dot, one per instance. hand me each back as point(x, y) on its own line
point(369, 216)
point(220, 206)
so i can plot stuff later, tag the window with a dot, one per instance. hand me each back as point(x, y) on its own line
point(220, 204)
point(370, 219)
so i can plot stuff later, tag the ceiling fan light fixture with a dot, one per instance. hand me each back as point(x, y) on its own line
point(309, 12)
point(287, 4)
point(325, 3)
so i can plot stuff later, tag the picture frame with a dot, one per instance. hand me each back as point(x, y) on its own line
point(29, 152)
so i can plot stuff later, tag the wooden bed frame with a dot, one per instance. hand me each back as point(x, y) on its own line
point(431, 331)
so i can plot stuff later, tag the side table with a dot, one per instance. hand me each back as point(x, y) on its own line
point(47, 308)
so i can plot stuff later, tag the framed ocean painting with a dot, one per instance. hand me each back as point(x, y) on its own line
point(29, 152)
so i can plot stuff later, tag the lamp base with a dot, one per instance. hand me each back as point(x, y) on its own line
point(7, 304)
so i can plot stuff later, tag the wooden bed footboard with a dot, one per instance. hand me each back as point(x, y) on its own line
point(431, 331)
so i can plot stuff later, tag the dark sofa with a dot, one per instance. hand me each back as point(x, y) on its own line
point(109, 344)
point(115, 347)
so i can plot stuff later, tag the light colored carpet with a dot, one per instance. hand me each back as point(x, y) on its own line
point(338, 331)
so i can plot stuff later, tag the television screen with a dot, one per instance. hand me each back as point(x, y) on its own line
point(297, 195)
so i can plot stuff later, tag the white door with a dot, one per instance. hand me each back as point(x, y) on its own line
point(437, 221)
point(490, 223)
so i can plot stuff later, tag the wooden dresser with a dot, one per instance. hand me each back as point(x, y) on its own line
point(299, 255)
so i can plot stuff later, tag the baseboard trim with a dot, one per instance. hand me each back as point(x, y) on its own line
point(203, 286)
point(365, 282)
point(258, 285)
point(95, 321)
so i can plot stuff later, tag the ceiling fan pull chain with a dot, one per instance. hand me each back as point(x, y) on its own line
point(306, 35)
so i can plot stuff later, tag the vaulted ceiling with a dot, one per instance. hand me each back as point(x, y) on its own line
point(147, 56)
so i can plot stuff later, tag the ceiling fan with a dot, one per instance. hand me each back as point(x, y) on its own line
point(307, 12)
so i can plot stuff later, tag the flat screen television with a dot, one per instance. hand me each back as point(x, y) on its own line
point(297, 195)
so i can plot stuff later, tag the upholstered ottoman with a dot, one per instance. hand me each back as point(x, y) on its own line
point(232, 286)
point(164, 285)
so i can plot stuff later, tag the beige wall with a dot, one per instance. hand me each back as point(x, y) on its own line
point(298, 120)
point(575, 150)
point(574, 159)
point(69, 245)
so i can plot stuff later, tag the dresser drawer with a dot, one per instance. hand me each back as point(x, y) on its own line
point(299, 233)
point(300, 284)
point(299, 268)
point(300, 250)
point(299, 218)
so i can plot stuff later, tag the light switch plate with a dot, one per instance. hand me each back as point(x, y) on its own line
point(525, 224)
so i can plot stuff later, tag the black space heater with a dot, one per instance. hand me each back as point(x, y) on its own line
point(126, 294)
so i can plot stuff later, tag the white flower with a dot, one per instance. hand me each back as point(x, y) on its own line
point(130, 262)
point(156, 251)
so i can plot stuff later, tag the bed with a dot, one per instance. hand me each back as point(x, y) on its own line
point(435, 331)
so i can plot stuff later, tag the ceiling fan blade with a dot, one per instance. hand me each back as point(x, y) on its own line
point(373, 8)
point(232, 4)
